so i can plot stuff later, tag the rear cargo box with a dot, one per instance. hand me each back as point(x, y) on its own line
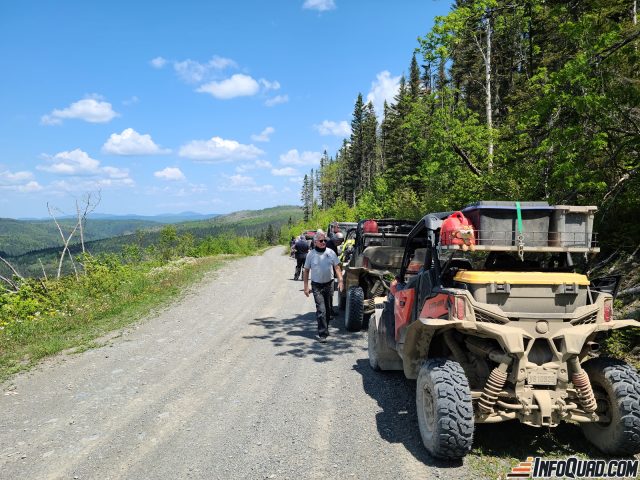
point(496, 222)
point(572, 226)
point(522, 293)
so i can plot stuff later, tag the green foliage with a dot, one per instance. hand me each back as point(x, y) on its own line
point(18, 237)
point(145, 244)
point(44, 317)
point(226, 244)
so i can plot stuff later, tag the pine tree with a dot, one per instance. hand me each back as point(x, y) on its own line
point(415, 82)
point(305, 199)
point(356, 152)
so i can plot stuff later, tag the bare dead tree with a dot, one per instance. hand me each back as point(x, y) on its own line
point(15, 272)
point(10, 281)
point(43, 270)
point(65, 241)
point(89, 204)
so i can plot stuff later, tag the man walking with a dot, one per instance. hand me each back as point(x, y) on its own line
point(301, 249)
point(320, 265)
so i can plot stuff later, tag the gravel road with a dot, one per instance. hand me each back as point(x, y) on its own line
point(227, 383)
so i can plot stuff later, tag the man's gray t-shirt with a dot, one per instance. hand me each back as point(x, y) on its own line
point(321, 265)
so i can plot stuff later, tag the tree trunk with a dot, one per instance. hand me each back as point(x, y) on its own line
point(489, 110)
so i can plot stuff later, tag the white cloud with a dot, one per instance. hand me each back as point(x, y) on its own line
point(191, 71)
point(263, 164)
point(91, 110)
point(130, 142)
point(158, 62)
point(9, 178)
point(320, 5)
point(243, 183)
point(238, 85)
point(277, 100)
point(90, 184)
point(275, 85)
point(78, 163)
point(329, 127)
point(170, 173)
point(220, 63)
point(31, 186)
point(219, 150)
point(297, 180)
point(75, 162)
point(19, 181)
point(284, 172)
point(293, 157)
point(245, 167)
point(264, 135)
point(384, 87)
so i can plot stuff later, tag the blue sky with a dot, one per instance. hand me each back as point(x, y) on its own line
point(206, 106)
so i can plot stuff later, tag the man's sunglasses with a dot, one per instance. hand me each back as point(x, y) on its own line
point(320, 241)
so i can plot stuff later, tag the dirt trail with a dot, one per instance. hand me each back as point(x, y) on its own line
point(227, 383)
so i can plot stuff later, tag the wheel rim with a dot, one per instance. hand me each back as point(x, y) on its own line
point(603, 405)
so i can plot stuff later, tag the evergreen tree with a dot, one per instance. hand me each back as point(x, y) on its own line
point(306, 199)
point(356, 160)
point(415, 82)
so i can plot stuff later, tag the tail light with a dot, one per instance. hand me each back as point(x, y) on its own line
point(460, 308)
point(365, 262)
point(608, 311)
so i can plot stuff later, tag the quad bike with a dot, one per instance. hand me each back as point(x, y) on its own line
point(506, 332)
point(371, 259)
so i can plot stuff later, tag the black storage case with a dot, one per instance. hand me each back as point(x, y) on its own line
point(496, 222)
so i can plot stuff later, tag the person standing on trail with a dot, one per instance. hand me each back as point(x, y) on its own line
point(300, 248)
point(320, 265)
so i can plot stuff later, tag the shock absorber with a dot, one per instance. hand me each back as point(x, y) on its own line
point(580, 380)
point(495, 383)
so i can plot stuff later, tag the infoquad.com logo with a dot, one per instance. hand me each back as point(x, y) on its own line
point(574, 468)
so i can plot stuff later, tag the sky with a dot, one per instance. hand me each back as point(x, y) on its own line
point(201, 106)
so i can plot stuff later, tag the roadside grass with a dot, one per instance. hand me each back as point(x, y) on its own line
point(501, 446)
point(70, 315)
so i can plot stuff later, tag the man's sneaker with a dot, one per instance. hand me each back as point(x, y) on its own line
point(322, 339)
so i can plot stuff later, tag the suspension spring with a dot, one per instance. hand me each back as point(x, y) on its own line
point(585, 392)
point(378, 289)
point(497, 379)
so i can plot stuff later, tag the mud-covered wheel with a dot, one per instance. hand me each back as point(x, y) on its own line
point(616, 386)
point(381, 357)
point(372, 346)
point(355, 308)
point(444, 408)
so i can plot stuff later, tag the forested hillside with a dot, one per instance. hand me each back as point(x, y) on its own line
point(263, 225)
point(502, 100)
point(18, 237)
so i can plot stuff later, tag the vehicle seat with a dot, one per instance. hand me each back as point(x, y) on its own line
point(452, 268)
point(501, 261)
point(417, 262)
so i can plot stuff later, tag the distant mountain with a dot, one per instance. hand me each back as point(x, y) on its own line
point(20, 236)
point(160, 218)
point(27, 243)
